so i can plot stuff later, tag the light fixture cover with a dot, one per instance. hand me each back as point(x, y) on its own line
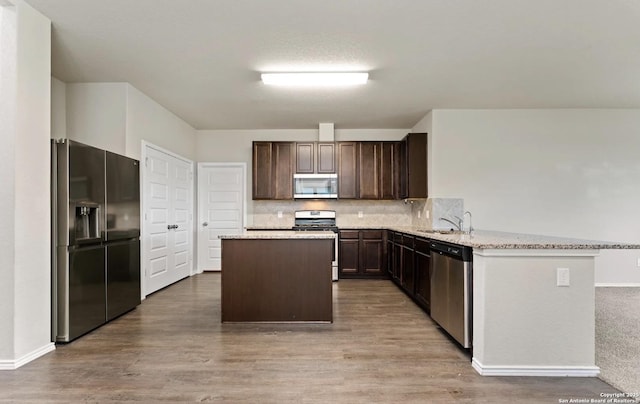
point(315, 78)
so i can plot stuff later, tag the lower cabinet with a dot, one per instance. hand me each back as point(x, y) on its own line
point(361, 254)
point(409, 263)
point(422, 268)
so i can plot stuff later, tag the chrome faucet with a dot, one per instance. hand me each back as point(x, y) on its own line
point(470, 225)
point(457, 225)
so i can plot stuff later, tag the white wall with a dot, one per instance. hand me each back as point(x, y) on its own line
point(28, 141)
point(97, 114)
point(7, 168)
point(573, 173)
point(236, 146)
point(150, 121)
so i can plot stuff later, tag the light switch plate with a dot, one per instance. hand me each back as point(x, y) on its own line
point(360, 214)
point(279, 214)
point(562, 277)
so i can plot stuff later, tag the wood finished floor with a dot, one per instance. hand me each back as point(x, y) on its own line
point(380, 348)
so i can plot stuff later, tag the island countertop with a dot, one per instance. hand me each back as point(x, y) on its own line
point(279, 234)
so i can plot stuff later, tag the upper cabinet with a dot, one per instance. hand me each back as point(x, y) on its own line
point(315, 158)
point(347, 170)
point(273, 164)
point(388, 170)
point(413, 166)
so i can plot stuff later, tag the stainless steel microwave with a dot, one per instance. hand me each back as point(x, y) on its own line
point(315, 186)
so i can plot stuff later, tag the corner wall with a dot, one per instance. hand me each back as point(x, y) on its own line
point(28, 330)
point(561, 172)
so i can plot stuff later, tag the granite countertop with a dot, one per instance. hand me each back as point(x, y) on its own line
point(485, 238)
point(504, 240)
point(280, 234)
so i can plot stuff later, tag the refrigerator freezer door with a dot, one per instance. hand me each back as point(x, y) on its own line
point(80, 289)
point(123, 197)
point(123, 277)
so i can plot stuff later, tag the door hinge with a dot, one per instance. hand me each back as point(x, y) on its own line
point(146, 162)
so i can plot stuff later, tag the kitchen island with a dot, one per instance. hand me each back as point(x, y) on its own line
point(277, 276)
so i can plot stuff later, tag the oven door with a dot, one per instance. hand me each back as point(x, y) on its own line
point(306, 186)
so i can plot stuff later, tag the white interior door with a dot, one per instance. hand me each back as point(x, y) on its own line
point(167, 204)
point(221, 209)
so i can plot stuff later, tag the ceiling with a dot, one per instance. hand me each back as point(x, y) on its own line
point(201, 59)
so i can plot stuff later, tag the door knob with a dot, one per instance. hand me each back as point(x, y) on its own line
point(205, 224)
point(169, 227)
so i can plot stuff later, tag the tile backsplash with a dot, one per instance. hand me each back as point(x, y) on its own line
point(374, 213)
point(432, 209)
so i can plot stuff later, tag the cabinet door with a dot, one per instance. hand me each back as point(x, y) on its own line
point(407, 274)
point(305, 158)
point(390, 256)
point(423, 277)
point(397, 262)
point(283, 157)
point(371, 258)
point(347, 174)
point(369, 170)
point(326, 158)
point(390, 170)
point(348, 256)
point(262, 170)
point(416, 165)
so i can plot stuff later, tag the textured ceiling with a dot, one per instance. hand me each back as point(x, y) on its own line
point(201, 59)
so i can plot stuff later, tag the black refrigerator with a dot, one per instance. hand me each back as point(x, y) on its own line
point(95, 237)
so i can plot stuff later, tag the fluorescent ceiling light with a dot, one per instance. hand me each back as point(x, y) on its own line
point(315, 79)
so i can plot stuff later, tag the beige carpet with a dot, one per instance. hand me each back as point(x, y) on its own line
point(618, 337)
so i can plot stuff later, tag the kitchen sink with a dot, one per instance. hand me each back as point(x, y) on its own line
point(440, 231)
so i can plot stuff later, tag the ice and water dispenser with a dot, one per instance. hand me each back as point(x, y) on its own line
point(87, 222)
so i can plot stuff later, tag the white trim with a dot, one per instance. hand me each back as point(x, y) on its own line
point(143, 220)
point(201, 166)
point(618, 285)
point(35, 354)
point(550, 252)
point(548, 371)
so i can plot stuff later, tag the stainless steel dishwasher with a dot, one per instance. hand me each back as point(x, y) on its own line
point(451, 288)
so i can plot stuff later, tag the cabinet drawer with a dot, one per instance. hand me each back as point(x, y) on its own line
point(372, 234)
point(422, 245)
point(349, 234)
point(407, 241)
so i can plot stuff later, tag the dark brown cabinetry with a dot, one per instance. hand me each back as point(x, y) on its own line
point(409, 264)
point(413, 166)
point(273, 164)
point(422, 267)
point(361, 254)
point(389, 170)
point(369, 170)
point(315, 157)
point(347, 170)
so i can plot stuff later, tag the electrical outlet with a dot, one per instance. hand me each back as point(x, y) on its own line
point(638, 262)
point(418, 214)
point(562, 277)
point(427, 214)
point(279, 214)
point(360, 214)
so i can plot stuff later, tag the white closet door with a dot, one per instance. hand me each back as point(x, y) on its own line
point(221, 209)
point(168, 210)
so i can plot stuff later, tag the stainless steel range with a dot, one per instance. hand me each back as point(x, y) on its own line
point(319, 220)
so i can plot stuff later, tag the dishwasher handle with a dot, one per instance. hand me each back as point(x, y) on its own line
point(456, 251)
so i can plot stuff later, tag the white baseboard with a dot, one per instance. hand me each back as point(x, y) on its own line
point(550, 371)
point(617, 285)
point(35, 354)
